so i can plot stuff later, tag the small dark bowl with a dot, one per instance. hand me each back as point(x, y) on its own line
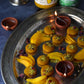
point(9, 23)
point(70, 68)
point(59, 25)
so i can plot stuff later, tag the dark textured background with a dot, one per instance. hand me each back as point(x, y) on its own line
point(21, 13)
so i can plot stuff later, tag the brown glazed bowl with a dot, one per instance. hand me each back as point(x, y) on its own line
point(59, 24)
point(59, 68)
point(9, 23)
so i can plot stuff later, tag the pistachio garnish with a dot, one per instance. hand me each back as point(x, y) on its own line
point(82, 39)
point(32, 72)
point(49, 26)
point(72, 46)
point(54, 61)
point(31, 46)
point(58, 37)
point(49, 44)
point(46, 36)
point(68, 57)
point(53, 31)
point(52, 82)
point(43, 58)
point(49, 69)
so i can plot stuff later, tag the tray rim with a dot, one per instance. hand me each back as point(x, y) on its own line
point(18, 27)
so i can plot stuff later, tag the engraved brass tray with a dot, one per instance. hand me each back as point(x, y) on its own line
point(10, 67)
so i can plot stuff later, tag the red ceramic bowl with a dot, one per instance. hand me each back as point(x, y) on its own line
point(60, 24)
point(9, 23)
point(70, 68)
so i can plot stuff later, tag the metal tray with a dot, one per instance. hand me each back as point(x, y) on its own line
point(10, 68)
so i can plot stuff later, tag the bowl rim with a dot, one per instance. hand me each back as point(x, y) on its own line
point(9, 18)
point(69, 73)
point(65, 26)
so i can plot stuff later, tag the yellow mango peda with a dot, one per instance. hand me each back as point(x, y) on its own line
point(39, 37)
point(80, 55)
point(69, 40)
